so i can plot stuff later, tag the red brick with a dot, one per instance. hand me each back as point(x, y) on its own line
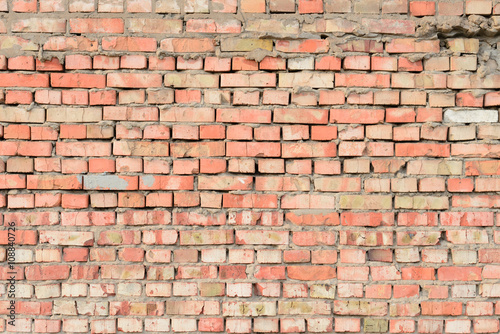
point(272, 63)
point(78, 62)
point(23, 148)
point(328, 63)
point(310, 6)
point(15, 131)
point(422, 149)
point(243, 116)
point(275, 97)
point(242, 64)
point(201, 149)
point(250, 6)
point(24, 6)
point(459, 274)
point(106, 62)
point(491, 99)
point(249, 201)
point(104, 97)
point(248, 80)
point(133, 61)
point(469, 100)
point(42, 273)
point(78, 149)
point(400, 115)
point(405, 64)
point(305, 116)
point(52, 65)
point(362, 80)
point(23, 63)
point(214, 64)
point(163, 64)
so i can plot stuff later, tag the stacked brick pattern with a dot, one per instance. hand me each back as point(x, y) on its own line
point(251, 166)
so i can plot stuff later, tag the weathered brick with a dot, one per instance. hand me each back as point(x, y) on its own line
point(103, 25)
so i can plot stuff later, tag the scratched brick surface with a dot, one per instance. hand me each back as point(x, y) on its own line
point(251, 166)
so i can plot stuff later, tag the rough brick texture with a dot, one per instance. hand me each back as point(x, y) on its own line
point(251, 166)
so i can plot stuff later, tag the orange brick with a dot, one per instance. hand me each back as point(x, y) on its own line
point(18, 97)
point(422, 8)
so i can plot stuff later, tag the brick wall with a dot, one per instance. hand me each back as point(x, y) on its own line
point(248, 166)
